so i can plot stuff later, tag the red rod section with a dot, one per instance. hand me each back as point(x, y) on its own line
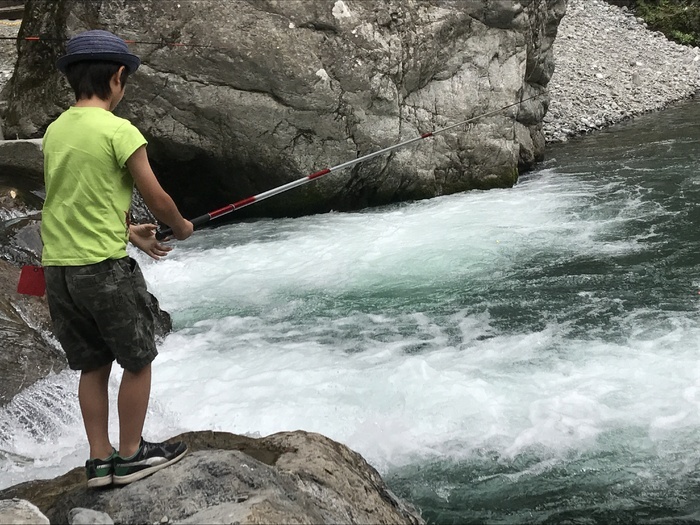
point(244, 202)
point(318, 174)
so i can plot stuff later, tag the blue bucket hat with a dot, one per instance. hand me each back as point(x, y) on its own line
point(98, 45)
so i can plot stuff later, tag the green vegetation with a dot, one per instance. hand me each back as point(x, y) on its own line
point(679, 20)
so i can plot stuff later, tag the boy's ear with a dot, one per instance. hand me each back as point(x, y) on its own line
point(117, 77)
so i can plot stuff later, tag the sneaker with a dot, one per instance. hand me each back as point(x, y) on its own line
point(100, 471)
point(149, 458)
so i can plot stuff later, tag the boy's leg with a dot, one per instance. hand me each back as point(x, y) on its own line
point(93, 395)
point(138, 458)
point(74, 293)
point(134, 393)
point(131, 339)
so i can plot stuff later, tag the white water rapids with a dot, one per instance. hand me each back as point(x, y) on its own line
point(500, 322)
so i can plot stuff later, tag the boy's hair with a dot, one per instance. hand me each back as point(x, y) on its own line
point(90, 78)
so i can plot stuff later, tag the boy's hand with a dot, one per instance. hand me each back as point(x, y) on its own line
point(143, 236)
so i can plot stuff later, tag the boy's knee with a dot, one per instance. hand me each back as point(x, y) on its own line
point(98, 370)
point(137, 368)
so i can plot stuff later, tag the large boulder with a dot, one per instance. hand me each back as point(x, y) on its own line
point(290, 477)
point(265, 92)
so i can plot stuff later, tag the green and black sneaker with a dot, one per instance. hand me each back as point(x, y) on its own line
point(149, 458)
point(100, 471)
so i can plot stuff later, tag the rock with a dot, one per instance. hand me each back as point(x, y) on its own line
point(29, 352)
point(25, 156)
point(20, 236)
point(21, 196)
point(270, 92)
point(20, 512)
point(290, 477)
point(81, 516)
point(164, 323)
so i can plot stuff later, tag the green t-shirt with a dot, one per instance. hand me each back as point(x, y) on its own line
point(88, 187)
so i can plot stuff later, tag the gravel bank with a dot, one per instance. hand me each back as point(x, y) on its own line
point(609, 67)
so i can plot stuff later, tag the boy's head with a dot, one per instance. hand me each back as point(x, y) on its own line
point(92, 58)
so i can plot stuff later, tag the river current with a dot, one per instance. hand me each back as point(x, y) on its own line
point(525, 355)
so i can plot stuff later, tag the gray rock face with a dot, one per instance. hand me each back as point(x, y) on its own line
point(269, 92)
point(290, 477)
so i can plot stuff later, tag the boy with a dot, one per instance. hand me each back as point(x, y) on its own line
point(97, 295)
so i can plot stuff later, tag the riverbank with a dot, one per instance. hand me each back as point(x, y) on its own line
point(610, 67)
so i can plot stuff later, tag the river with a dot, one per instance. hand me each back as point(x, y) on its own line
point(525, 355)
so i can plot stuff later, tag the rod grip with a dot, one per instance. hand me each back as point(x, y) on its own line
point(196, 222)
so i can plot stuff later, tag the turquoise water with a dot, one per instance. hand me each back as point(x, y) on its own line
point(526, 355)
point(616, 428)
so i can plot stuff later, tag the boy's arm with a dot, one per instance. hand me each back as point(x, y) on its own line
point(155, 197)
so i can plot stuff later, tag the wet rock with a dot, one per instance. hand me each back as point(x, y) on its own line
point(21, 196)
point(20, 238)
point(290, 477)
point(29, 351)
point(164, 323)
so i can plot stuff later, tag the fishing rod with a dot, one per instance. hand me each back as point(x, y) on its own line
point(203, 219)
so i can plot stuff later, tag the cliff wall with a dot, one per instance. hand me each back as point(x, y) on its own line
point(265, 92)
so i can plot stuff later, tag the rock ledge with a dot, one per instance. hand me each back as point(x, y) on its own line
point(289, 477)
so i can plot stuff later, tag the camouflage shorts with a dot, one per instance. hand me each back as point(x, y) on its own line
point(100, 313)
